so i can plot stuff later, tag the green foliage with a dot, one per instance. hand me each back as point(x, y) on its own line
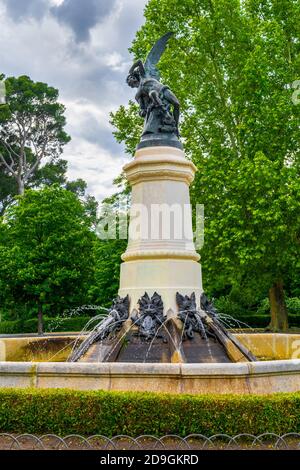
point(31, 128)
point(47, 255)
point(264, 307)
point(231, 63)
point(133, 413)
point(252, 320)
point(8, 189)
point(255, 240)
point(229, 306)
point(255, 314)
point(32, 137)
point(255, 320)
point(35, 102)
point(108, 251)
point(107, 258)
point(129, 125)
point(293, 305)
point(11, 327)
point(239, 305)
point(75, 324)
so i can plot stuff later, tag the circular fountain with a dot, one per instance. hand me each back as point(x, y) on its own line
point(161, 332)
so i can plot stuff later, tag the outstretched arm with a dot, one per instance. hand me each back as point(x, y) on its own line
point(138, 64)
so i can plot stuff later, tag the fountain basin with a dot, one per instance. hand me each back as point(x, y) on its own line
point(36, 348)
point(272, 345)
point(261, 377)
point(236, 378)
point(56, 348)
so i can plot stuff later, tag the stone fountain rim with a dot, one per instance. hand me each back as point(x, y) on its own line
point(256, 378)
point(153, 369)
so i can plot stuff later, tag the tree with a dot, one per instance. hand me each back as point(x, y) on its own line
point(48, 252)
point(48, 174)
point(33, 105)
point(232, 64)
point(8, 189)
point(31, 128)
point(254, 240)
point(108, 251)
point(105, 285)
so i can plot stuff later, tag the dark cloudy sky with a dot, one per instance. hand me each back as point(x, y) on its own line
point(79, 47)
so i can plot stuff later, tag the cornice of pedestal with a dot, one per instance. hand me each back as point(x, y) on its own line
point(160, 163)
point(160, 254)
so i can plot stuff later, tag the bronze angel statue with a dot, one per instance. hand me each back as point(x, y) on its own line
point(158, 104)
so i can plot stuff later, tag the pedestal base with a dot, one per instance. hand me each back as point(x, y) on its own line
point(164, 276)
point(160, 256)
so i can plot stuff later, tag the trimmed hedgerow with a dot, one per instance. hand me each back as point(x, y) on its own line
point(260, 321)
point(62, 412)
point(78, 323)
point(50, 324)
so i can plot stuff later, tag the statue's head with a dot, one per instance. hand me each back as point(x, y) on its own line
point(133, 79)
point(152, 306)
point(186, 302)
point(121, 305)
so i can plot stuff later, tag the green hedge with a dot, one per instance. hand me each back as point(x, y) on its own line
point(259, 316)
point(50, 324)
point(78, 323)
point(134, 413)
point(253, 320)
point(262, 321)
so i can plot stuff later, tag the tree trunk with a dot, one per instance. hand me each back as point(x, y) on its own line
point(21, 187)
point(40, 319)
point(279, 314)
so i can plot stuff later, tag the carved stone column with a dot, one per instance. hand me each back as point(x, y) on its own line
point(160, 255)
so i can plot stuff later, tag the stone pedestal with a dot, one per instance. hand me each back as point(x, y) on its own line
point(160, 255)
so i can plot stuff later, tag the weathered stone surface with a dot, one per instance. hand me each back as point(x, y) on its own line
point(272, 345)
point(78, 376)
point(18, 374)
point(219, 369)
point(238, 378)
point(36, 348)
point(157, 259)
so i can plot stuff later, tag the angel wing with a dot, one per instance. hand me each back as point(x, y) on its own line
point(154, 56)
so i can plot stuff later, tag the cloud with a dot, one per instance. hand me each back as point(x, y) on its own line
point(81, 16)
point(88, 122)
point(18, 9)
point(90, 76)
point(95, 165)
